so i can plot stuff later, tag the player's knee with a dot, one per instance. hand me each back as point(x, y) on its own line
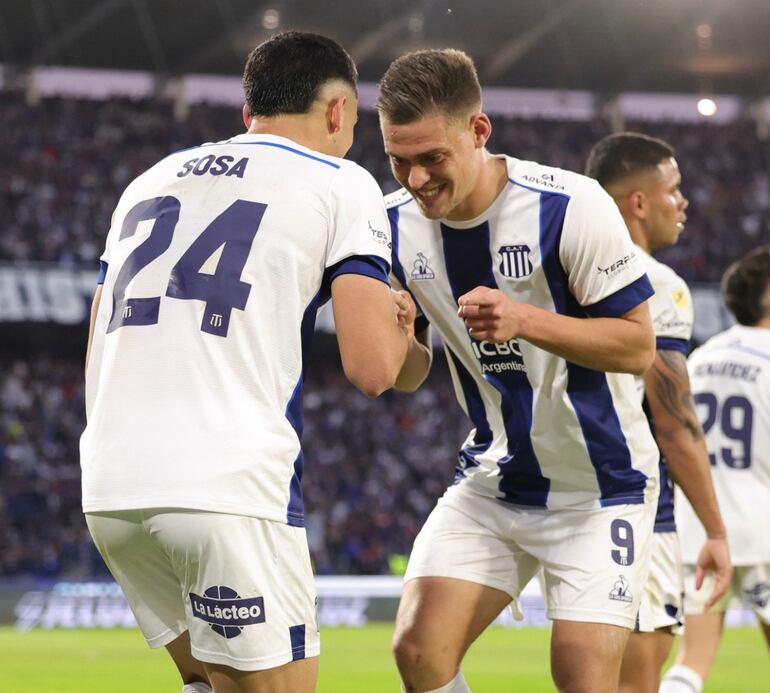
point(407, 651)
point(576, 677)
point(416, 656)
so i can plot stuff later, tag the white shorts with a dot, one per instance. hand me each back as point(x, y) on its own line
point(242, 586)
point(661, 605)
point(750, 584)
point(595, 562)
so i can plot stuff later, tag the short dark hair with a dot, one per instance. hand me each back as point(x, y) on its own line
point(624, 154)
point(423, 83)
point(746, 286)
point(283, 75)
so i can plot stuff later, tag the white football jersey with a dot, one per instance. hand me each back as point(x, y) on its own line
point(672, 315)
point(548, 433)
point(730, 378)
point(216, 262)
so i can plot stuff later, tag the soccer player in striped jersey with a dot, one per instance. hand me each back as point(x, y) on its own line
point(643, 178)
point(730, 377)
point(530, 278)
point(215, 265)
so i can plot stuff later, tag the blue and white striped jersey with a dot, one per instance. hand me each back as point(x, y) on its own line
point(672, 315)
point(215, 265)
point(548, 433)
point(730, 378)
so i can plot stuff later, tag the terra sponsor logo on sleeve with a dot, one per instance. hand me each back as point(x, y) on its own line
point(615, 268)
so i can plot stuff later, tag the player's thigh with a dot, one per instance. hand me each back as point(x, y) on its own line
point(585, 657)
point(295, 677)
point(463, 570)
point(248, 588)
point(441, 617)
point(702, 635)
point(595, 562)
point(141, 567)
point(643, 658)
point(190, 669)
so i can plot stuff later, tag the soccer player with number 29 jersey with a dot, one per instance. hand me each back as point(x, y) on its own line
point(730, 377)
point(215, 265)
point(530, 278)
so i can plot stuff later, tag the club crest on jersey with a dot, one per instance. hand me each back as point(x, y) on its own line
point(420, 269)
point(620, 591)
point(515, 262)
point(226, 612)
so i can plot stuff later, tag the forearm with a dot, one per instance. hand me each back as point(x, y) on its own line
point(417, 364)
point(603, 344)
point(687, 462)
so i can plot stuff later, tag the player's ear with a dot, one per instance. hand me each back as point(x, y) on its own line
point(246, 116)
point(335, 113)
point(637, 204)
point(481, 127)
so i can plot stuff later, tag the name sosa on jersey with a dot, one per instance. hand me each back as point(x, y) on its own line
point(215, 165)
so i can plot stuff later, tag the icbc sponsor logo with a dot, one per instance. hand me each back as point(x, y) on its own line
point(498, 357)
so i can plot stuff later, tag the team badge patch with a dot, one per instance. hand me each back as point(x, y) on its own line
point(515, 262)
point(680, 298)
point(420, 268)
point(226, 612)
point(620, 591)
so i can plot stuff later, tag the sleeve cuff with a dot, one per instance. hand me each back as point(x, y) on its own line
point(102, 272)
point(366, 265)
point(622, 301)
point(672, 344)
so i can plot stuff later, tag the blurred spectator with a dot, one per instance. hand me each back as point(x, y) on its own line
point(373, 468)
point(60, 177)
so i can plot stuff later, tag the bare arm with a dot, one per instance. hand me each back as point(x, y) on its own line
point(92, 321)
point(680, 438)
point(418, 361)
point(625, 344)
point(372, 344)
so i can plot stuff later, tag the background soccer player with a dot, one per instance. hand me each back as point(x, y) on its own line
point(730, 377)
point(561, 469)
point(215, 265)
point(643, 178)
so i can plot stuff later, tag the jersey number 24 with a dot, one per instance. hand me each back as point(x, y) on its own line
point(233, 230)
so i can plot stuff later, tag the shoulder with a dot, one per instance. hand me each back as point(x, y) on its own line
point(716, 341)
point(354, 184)
point(660, 273)
point(550, 179)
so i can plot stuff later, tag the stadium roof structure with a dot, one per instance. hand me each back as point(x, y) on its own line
point(605, 46)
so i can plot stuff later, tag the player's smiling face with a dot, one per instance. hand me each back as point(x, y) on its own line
point(667, 205)
point(437, 161)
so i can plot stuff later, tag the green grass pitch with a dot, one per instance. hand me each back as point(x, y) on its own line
point(352, 661)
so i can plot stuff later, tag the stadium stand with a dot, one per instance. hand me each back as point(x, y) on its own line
point(368, 487)
point(61, 179)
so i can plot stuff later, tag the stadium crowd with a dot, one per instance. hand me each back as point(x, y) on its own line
point(60, 180)
point(373, 467)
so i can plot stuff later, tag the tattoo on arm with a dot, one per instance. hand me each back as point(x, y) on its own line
point(672, 390)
